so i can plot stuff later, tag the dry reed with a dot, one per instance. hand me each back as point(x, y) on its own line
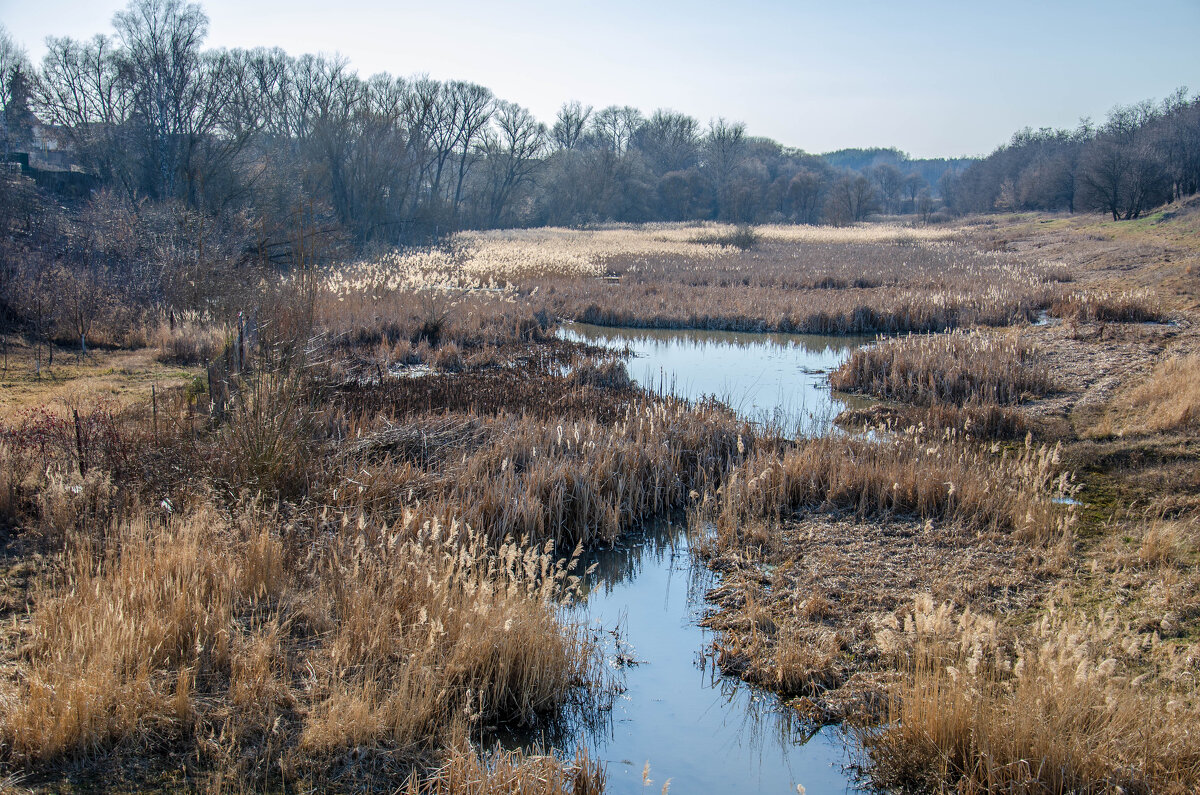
point(1167, 400)
point(256, 647)
point(960, 367)
point(1056, 710)
point(903, 473)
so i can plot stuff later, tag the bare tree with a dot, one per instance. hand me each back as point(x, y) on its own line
point(570, 124)
point(851, 200)
point(513, 152)
point(669, 141)
point(925, 205)
point(161, 42)
point(613, 128)
point(724, 151)
point(890, 182)
point(806, 196)
point(84, 91)
point(914, 183)
point(1122, 172)
point(473, 106)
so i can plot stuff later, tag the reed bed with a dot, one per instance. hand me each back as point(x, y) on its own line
point(829, 288)
point(1129, 306)
point(327, 562)
point(588, 390)
point(344, 570)
point(1063, 708)
point(818, 539)
point(987, 421)
point(560, 481)
point(494, 259)
point(902, 473)
point(511, 773)
point(259, 648)
point(849, 281)
point(960, 367)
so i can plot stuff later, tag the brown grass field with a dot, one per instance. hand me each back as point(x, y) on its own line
point(336, 556)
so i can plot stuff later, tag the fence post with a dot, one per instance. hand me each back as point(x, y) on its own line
point(79, 442)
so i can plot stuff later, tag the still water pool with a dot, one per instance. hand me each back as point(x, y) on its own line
point(781, 378)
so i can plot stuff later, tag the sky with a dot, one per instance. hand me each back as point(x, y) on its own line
point(933, 78)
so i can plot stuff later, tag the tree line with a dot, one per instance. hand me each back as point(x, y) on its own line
point(1142, 156)
point(153, 115)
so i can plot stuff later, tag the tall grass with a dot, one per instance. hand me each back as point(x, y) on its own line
point(1136, 306)
point(1167, 400)
point(960, 367)
point(905, 473)
point(861, 280)
point(324, 583)
point(1056, 712)
point(511, 773)
point(258, 647)
point(188, 341)
point(562, 480)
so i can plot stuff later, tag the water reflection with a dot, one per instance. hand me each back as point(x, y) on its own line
point(782, 379)
point(703, 731)
point(645, 597)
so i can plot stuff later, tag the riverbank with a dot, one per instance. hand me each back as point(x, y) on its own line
point(958, 653)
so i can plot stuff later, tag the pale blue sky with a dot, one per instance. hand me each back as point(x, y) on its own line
point(932, 78)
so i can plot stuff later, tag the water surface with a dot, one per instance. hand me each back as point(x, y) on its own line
point(781, 378)
point(702, 731)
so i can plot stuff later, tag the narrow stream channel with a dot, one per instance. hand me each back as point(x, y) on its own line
point(702, 731)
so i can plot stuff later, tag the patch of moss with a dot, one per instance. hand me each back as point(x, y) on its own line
point(1100, 501)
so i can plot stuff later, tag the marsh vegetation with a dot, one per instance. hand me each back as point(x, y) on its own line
point(345, 549)
point(322, 420)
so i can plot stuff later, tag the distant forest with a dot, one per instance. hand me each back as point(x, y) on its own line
point(146, 120)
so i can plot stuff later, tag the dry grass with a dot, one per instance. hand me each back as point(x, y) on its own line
point(961, 367)
point(495, 259)
point(1167, 543)
point(980, 421)
point(557, 479)
point(1167, 400)
point(189, 341)
point(1055, 711)
point(1136, 306)
point(905, 473)
point(511, 773)
point(866, 279)
point(336, 569)
point(831, 287)
point(798, 615)
point(802, 583)
point(126, 376)
point(334, 585)
point(259, 648)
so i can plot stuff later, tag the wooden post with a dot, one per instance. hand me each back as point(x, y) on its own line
point(79, 442)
